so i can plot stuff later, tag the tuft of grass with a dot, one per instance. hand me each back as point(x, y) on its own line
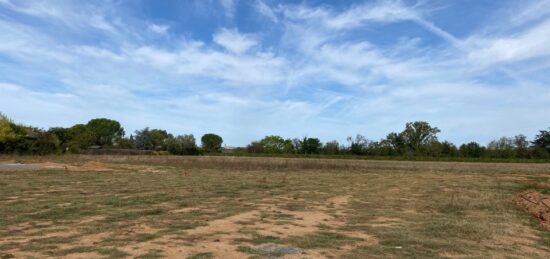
point(131, 215)
point(250, 250)
point(151, 254)
point(206, 255)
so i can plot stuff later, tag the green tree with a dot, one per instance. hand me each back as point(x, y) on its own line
point(126, 143)
point(7, 129)
point(182, 145)
point(211, 143)
point(542, 140)
point(358, 145)
point(448, 149)
point(396, 143)
point(521, 145)
point(501, 148)
point(310, 145)
point(151, 139)
point(419, 133)
point(105, 131)
point(63, 134)
point(80, 137)
point(472, 149)
point(276, 145)
point(331, 147)
point(255, 147)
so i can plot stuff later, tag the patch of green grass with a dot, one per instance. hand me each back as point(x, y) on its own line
point(108, 252)
point(250, 250)
point(207, 255)
point(76, 250)
point(61, 213)
point(540, 179)
point(130, 215)
point(152, 254)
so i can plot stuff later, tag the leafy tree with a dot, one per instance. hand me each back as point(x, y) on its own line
point(63, 135)
point(543, 140)
point(182, 145)
point(7, 129)
point(211, 143)
point(105, 131)
point(255, 147)
point(448, 149)
point(396, 143)
point(433, 149)
point(43, 143)
point(521, 145)
point(419, 133)
point(310, 145)
point(80, 137)
point(539, 152)
point(151, 139)
point(502, 147)
point(359, 145)
point(472, 149)
point(126, 143)
point(331, 147)
point(276, 145)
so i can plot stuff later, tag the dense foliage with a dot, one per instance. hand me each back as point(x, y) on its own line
point(211, 143)
point(418, 139)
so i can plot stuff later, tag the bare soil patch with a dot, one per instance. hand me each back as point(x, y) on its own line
point(537, 204)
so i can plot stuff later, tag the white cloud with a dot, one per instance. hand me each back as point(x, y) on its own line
point(382, 11)
point(317, 78)
point(158, 28)
point(229, 7)
point(234, 41)
point(266, 11)
point(530, 10)
point(533, 43)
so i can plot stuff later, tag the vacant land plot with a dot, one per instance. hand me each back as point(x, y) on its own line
point(210, 207)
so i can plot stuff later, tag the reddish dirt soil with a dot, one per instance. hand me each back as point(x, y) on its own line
point(537, 204)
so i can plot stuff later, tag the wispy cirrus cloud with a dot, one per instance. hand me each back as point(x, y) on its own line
point(320, 70)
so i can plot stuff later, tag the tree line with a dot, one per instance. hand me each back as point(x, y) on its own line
point(416, 139)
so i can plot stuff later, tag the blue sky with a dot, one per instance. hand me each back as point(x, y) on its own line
point(477, 69)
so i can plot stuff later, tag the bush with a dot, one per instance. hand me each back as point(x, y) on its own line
point(182, 145)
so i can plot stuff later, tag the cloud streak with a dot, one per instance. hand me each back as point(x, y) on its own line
point(317, 70)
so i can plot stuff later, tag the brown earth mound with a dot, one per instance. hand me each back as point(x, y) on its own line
point(92, 165)
point(537, 204)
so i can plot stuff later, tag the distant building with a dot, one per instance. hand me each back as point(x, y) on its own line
point(229, 149)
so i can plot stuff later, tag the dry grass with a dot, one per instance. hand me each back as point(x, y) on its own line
point(206, 207)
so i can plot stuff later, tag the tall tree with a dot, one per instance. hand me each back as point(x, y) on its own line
point(273, 144)
point(7, 131)
point(358, 145)
point(105, 131)
point(151, 139)
point(521, 145)
point(310, 145)
point(396, 143)
point(331, 147)
point(80, 137)
point(182, 145)
point(211, 143)
point(419, 133)
point(542, 140)
point(472, 149)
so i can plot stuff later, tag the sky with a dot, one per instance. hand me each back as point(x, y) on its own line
point(476, 69)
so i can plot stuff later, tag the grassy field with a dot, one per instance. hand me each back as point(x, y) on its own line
point(239, 207)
